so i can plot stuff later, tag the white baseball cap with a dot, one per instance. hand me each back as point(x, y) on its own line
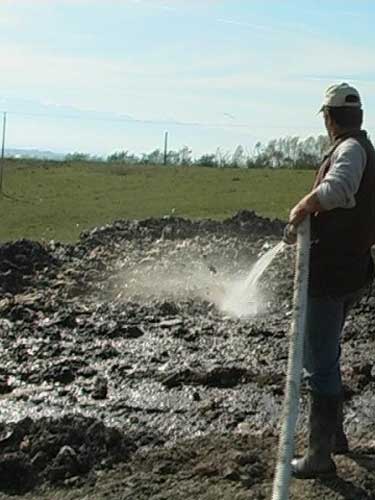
point(341, 95)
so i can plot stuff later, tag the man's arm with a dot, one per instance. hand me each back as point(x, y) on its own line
point(308, 205)
point(340, 185)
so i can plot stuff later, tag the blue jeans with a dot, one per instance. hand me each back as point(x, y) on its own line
point(325, 318)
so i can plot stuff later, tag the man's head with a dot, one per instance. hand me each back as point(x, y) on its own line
point(342, 109)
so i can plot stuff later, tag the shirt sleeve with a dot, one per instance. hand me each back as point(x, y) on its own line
point(339, 186)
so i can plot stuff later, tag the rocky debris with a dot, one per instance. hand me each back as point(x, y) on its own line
point(100, 389)
point(5, 387)
point(16, 473)
point(132, 331)
point(232, 466)
point(249, 221)
point(362, 374)
point(220, 377)
point(55, 450)
point(168, 308)
point(115, 329)
point(20, 261)
point(63, 372)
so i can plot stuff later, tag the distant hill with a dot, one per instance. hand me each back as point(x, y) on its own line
point(33, 153)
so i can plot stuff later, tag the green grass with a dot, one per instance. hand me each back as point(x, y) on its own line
point(48, 200)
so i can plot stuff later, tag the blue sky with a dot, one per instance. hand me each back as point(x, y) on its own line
point(100, 76)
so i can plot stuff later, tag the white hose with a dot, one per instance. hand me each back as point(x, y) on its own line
point(293, 380)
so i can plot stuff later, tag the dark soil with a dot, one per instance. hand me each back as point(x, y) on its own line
point(123, 377)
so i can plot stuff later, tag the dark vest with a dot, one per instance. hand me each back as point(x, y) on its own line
point(340, 260)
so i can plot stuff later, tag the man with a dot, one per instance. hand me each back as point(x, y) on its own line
point(342, 208)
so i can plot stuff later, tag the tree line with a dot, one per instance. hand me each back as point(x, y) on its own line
point(287, 152)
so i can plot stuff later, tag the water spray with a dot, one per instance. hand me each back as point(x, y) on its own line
point(243, 298)
point(293, 380)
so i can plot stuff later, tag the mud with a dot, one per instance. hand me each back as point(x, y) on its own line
point(125, 375)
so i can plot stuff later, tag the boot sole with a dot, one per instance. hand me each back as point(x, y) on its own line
point(343, 451)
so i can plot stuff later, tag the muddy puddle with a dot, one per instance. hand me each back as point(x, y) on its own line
point(126, 374)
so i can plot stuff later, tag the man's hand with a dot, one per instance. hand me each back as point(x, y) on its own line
point(290, 234)
point(298, 213)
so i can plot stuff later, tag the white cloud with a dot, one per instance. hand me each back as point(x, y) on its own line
point(191, 90)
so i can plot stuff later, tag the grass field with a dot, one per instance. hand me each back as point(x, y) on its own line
point(57, 201)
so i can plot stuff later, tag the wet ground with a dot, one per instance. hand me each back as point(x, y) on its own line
point(132, 367)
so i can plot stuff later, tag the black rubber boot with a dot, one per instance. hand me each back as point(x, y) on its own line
point(317, 461)
point(340, 445)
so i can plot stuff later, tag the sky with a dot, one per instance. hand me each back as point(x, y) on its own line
point(103, 76)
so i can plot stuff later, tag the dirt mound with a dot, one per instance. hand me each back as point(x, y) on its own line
point(57, 450)
point(128, 329)
point(245, 222)
point(227, 466)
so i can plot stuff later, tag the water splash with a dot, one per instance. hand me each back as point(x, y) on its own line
point(243, 298)
point(179, 270)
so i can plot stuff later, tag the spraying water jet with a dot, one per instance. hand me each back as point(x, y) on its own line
point(243, 298)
